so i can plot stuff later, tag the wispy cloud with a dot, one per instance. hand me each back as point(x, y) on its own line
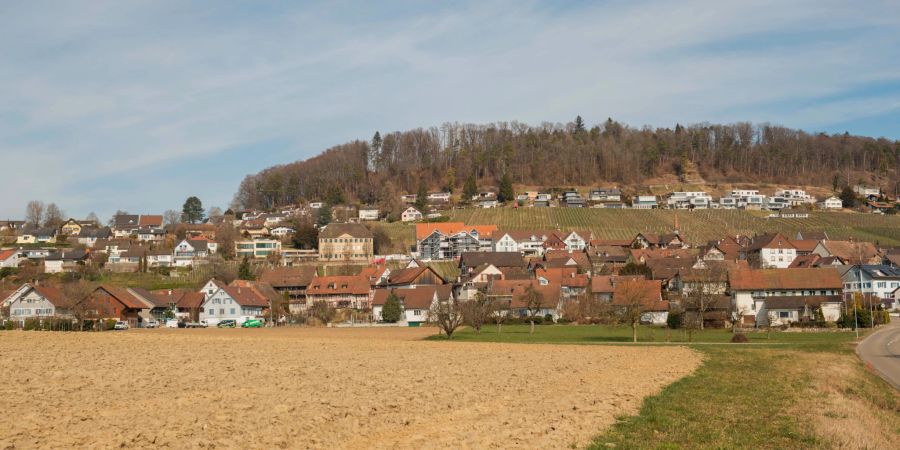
point(137, 105)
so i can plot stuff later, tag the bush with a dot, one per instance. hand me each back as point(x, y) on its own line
point(548, 318)
point(537, 320)
point(739, 338)
point(675, 321)
point(31, 324)
point(109, 324)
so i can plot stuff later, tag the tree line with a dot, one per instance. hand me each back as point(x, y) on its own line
point(455, 155)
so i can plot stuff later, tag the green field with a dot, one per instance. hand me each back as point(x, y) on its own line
point(696, 226)
point(793, 390)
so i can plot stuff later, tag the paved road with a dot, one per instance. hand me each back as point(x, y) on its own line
point(881, 352)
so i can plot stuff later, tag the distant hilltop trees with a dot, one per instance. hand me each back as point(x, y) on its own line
point(455, 156)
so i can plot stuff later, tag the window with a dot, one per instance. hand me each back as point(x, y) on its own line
point(417, 312)
point(232, 311)
point(222, 311)
point(784, 314)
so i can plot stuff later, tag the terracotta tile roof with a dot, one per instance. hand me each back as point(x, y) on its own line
point(611, 242)
point(604, 284)
point(6, 254)
point(851, 251)
point(53, 295)
point(648, 293)
point(190, 300)
point(423, 230)
point(339, 285)
point(246, 296)
point(787, 279)
point(517, 289)
point(655, 253)
point(409, 275)
point(805, 261)
point(416, 298)
point(515, 273)
point(124, 297)
point(496, 259)
point(776, 240)
point(804, 245)
point(149, 220)
point(282, 277)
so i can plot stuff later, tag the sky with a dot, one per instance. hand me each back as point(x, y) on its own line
point(136, 105)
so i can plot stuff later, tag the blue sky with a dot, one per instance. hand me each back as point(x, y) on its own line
point(136, 105)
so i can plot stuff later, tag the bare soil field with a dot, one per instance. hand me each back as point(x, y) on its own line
point(316, 388)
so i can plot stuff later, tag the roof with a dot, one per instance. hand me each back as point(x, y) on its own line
point(611, 242)
point(199, 245)
point(813, 235)
point(373, 273)
point(851, 251)
point(245, 296)
point(149, 220)
point(804, 245)
point(497, 259)
point(53, 295)
point(409, 275)
point(415, 298)
point(288, 276)
point(190, 300)
point(123, 296)
point(881, 271)
point(788, 279)
point(776, 240)
point(8, 253)
point(153, 300)
point(95, 233)
point(355, 230)
point(515, 273)
point(126, 220)
point(799, 301)
point(339, 285)
point(518, 289)
point(423, 230)
point(647, 293)
point(67, 255)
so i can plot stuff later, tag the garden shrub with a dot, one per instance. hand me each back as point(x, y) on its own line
point(739, 338)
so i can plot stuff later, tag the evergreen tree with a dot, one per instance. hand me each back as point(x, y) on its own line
point(848, 197)
point(470, 189)
point(391, 311)
point(506, 190)
point(192, 211)
point(579, 125)
point(244, 272)
point(422, 199)
point(323, 216)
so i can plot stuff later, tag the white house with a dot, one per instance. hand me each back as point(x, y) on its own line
point(644, 202)
point(795, 197)
point(191, 251)
point(9, 258)
point(690, 199)
point(281, 231)
point(831, 203)
point(772, 251)
point(415, 303)
point(750, 289)
point(487, 204)
point(524, 242)
point(34, 301)
point(368, 214)
point(439, 197)
point(315, 205)
point(867, 191)
point(232, 302)
point(875, 282)
point(411, 215)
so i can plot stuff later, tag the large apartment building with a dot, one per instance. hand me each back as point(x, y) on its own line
point(346, 242)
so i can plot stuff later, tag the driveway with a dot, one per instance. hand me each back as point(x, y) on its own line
point(881, 352)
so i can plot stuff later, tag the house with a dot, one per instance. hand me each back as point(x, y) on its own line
point(645, 295)
point(514, 294)
point(565, 259)
point(529, 243)
point(449, 240)
point(412, 277)
point(32, 301)
point(747, 198)
point(192, 251)
point(644, 202)
point(771, 251)
point(415, 303)
point(438, 197)
point(488, 204)
point(470, 260)
point(751, 287)
point(199, 231)
point(572, 199)
point(66, 261)
point(786, 310)
point(879, 207)
point(282, 231)
point(875, 282)
point(160, 257)
point(291, 282)
point(411, 215)
point(150, 221)
point(814, 260)
point(33, 235)
point(89, 236)
point(150, 234)
point(346, 242)
point(605, 195)
point(650, 240)
point(852, 252)
point(125, 224)
point(340, 291)
point(867, 191)
point(259, 248)
point(368, 214)
point(831, 203)
point(795, 197)
point(9, 258)
point(113, 302)
point(233, 302)
point(72, 227)
point(689, 200)
point(11, 225)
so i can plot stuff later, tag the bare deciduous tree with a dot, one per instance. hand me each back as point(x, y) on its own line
point(34, 213)
point(629, 304)
point(53, 217)
point(477, 311)
point(77, 295)
point(323, 311)
point(171, 217)
point(534, 302)
point(447, 314)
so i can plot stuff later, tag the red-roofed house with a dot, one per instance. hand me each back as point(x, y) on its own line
point(340, 291)
point(415, 302)
point(33, 301)
point(750, 289)
point(9, 258)
point(113, 302)
point(233, 302)
point(645, 293)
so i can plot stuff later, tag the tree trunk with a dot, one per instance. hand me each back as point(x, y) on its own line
point(634, 327)
point(499, 327)
point(532, 326)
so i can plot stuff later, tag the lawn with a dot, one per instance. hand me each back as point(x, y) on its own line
point(796, 390)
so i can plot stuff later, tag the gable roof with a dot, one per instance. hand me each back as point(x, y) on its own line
point(126, 221)
point(95, 233)
point(339, 285)
point(497, 259)
point(851, 251)
point(149, 220)
point(8, 253)
point(788, 279)
point(647, 293)
point(416, 298)
point(355, 230)
point(123, 296)
point(288, 276)
point(423, 230)
point(409, 275)
point(770, 240)
point(804, 245)
point(518, 289)
point(245, 296)
point(53, 295)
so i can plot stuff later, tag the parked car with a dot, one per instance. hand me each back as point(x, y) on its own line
point(227, 323)
point(121, 325)
point(200, 324)
point(152, 323)
point(252, 323)
point(172, 323)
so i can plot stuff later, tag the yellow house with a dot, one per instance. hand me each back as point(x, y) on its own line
point(71, 228)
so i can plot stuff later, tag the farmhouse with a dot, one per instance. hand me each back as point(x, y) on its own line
point(340, 291)
point(771, 251)
point(853, 252)
point(645, 295)
point(233, 302)
point(750, 288)
point(34, 301)
point(415, 303)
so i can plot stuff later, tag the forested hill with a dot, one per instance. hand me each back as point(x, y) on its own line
point(377, 170)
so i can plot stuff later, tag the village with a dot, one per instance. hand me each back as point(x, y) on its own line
point(487, 274)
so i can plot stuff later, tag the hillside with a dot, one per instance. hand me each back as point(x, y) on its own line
point(697, 226)
point(377, 171)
